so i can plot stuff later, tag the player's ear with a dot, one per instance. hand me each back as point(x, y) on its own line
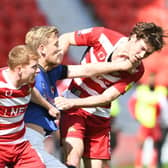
point(19, 70)
point(42, 50)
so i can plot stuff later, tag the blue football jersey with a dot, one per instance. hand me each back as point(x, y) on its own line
point(46, 84)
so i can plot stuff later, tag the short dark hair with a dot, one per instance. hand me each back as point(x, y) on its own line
point(151, 33)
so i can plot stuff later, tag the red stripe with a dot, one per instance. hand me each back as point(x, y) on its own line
point(93, 85)
point(12, 111)
point(14, 93)
point(12, 137)
point(9, 126)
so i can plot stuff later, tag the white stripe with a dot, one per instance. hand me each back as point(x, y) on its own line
point(15, 101)
point(69, 94)
point(91, 91)
point(85, 87)
point(92, 56)
point(105, 42)
point(12, 130)
point(111, 78)
point(119, 42)
point(99, 111)
point(78, 81)
point(5, 120)
point(99, 81)
point(5, 85)
point(85, 31)
point(84, 61)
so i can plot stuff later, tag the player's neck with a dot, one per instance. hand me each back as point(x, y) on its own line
point(47, 67)
point(42, 67)
point(121, 50)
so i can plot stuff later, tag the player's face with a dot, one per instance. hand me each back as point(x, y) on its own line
point(53, 53)
point(139, 49)
point(29, 71)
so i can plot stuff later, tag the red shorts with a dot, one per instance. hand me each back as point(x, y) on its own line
point(20, 155)
point(154, 133)
point(94, 130)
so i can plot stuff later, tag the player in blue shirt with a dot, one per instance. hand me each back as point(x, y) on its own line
point(46, 84)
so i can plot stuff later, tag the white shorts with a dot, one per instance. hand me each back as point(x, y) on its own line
point(37, 141)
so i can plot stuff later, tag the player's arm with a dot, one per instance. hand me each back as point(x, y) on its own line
point(92, 101)
point(65, 40)
point(93, 69)
point(40, 100)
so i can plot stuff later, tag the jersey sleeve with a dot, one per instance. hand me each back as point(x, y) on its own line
point(126, 83)
point(58, 73)
point(89, 36)
point(94, 36)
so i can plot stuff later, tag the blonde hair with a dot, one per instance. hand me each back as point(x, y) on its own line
point(21, 55)
point(39, 35)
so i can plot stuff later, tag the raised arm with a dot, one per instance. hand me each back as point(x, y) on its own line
point(66, 40)
point(93, 69)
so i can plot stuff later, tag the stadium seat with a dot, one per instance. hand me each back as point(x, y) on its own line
point(16, 18)
point(38, 19)
point(3, 53)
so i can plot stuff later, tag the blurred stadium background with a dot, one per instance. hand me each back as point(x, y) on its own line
point(18, 16)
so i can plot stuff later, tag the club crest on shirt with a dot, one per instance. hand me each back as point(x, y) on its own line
point(8, 93)
point(101, 55)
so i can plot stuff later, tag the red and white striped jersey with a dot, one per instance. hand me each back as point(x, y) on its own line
point(102, 42)
point(13, 104)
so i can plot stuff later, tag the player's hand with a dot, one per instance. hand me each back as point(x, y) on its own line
point(135, 59)
point(54, 112)
point(128, 63)
point(125, 62)
point(63, 103)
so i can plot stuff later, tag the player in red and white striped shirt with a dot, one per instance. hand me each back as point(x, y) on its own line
point(16, 91)
point(85, 126)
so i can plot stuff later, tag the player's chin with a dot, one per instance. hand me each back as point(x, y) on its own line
point(32, 80)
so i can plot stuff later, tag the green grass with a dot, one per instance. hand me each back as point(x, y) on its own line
point(165, 165)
